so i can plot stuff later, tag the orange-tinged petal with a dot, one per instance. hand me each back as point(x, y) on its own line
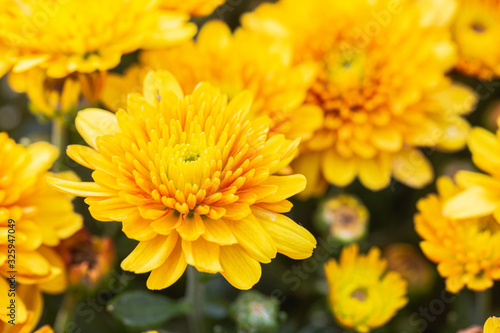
point(192, 228)
point(81, 189)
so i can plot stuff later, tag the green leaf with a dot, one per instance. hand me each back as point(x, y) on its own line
point(144, 309)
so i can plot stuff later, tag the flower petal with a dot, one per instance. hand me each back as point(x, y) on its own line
point(337, 170)
point(170, 271)
point(239, 269)
point(218, 231)
point(412, 168)
point(202, 254)
point(287, 187)
point(192, 228)
point(150, 254)
point(92, 123)
point(472, 202)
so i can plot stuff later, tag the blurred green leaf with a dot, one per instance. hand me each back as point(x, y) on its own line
point(143, 309)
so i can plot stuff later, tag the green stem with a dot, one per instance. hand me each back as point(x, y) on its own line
point(195, 297)
point(59, 138)
point(65, 312)
point(482, 306)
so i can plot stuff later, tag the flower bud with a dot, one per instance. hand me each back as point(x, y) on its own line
point(254, 312)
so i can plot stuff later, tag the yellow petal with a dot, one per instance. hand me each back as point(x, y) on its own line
point(472, 202)
point(375, 174)
point(150, 254)
point(158, 84)
point(218, 231)
point(165, 224)
point(192, 228)
point(81, 189)
point(202, 254)
point(239, 269)
point(287, 187)
point(214, 35)
point(337, 170)
point(59, 283)
point(291, 239)
point(170, 271)
point(485, 150)
point(138, 228)
point(92, 123)
point(387, 139)
point(412, 168)
point(254, 238)
point(240, 104)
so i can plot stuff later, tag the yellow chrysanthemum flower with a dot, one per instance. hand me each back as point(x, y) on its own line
point(40, 215)
point(381, 85)
point(492, 325)
point(233, 63)
point(476, 31)
point(26, 310)
point(63, 37)
point(191, 178)
point(467, 251)
point(481, 196)
point(193, 7)
point(363, 295)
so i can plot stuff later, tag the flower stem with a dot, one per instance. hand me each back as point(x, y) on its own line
point(195, 298)
point(482, 306)
point(65, 312)
point(59, 138)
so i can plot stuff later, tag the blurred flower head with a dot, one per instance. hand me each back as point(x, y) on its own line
point(481, 194)
point(233, 63)
point(381, 84)
point(88, 258)
point(256, 313)
point(345, 216)
point(63, 37)
point(409, 262)
point(467, 251)
point(191, 178)
point(492, 325)
point(363, 294)
point(193, 7)
point(40, 215)
point(476, 31)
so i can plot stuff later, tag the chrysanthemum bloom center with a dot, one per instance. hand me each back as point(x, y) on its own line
point(360, 294)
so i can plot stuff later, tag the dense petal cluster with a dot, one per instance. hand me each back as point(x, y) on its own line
point(233, 63)
point(476, 31)
point(63, 37)
point(481, 195)
point(467, 251)
point(363, 295)
point(381, 84)
point(191, 178)
point(40, 215)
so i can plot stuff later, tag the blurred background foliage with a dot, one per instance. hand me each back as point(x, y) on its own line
point(295, 288)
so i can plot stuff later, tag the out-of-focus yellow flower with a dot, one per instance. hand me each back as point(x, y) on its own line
point(345, 217)
point(492, 325)
point(476, 31)
point(481, 196)
point(467, 251)
point(381, 84)
point(40, 215)
point(413, 267)
point(233, 63)
point(57, 97)
point(191, 178)
point(63, 37)
point(193, 7)
point(363, 295)
point(87, 258)
point(27, 308)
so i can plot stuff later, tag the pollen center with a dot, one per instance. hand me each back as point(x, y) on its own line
point(360, 294)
